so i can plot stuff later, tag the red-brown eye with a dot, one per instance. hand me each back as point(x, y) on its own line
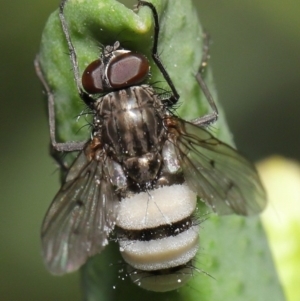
point(92, 78)
point(127, 69)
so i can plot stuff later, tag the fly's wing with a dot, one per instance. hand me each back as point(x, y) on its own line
point(80, 218)
point(221, 177)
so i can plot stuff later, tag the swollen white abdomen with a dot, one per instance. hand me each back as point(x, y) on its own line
point(157, 236)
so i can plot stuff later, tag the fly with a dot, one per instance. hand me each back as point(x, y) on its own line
point(141, 172)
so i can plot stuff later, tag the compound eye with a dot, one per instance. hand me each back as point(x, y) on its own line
point(92, 78)
point(127, 69)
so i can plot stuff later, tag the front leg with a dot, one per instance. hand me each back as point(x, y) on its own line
point(69, 146)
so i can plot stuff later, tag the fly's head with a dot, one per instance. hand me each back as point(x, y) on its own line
point(116, 68)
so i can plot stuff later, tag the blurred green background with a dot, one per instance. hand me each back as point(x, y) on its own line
point(255, 56)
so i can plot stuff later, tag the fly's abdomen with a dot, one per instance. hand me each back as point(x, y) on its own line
point(133, 129)
point(158, 237)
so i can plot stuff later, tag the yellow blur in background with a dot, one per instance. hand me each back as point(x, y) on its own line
point(281, 219)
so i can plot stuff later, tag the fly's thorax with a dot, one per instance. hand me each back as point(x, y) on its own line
point(132, 128)
point(158, 234)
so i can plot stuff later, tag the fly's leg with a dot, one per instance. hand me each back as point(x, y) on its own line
point(201, 121)
point(211, 117)
point(69, 146)
point(55, 147)
point(175, 96)
point(88, 100)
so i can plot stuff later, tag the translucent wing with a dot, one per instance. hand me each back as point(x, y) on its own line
point(80, 217)
point(221, 177)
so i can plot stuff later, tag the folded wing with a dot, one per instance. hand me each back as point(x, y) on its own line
point(80, 218)
point(221, 177)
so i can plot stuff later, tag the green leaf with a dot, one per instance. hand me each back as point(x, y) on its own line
point(233, 249)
